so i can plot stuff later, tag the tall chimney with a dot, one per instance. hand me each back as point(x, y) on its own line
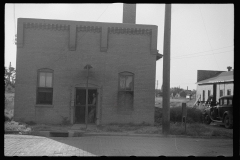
point(229, 68)
point(129, 13)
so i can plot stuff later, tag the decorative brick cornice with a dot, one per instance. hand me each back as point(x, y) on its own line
point(89, 28)
point(117, 30)
point(46, 26)
point(78, 26)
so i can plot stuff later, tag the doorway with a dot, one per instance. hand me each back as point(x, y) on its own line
point(80, 105)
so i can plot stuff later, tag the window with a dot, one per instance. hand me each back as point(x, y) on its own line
point(125, 81)
point(125, 94)
point(225, 101)
point(209, 93)
point(45, 86)
point(221, 93)
point(230, 101)
point(229, 92)
point(203, 95)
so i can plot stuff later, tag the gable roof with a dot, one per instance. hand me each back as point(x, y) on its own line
point(206, 74)
point(222, 77)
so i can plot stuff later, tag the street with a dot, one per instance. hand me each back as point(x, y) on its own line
point(26, 145)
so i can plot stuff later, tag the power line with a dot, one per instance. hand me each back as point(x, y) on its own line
point(201, 52)
point(202, 55)
point(207, 34)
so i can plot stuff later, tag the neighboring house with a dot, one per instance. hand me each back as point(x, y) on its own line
point(51, 74)
point(177, 95)
point(220, 84)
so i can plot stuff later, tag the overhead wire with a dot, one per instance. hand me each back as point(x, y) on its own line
point(200, 55)
point(207, 34)
point(199, 52)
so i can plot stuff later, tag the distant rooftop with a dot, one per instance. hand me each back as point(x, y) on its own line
point(222, 77)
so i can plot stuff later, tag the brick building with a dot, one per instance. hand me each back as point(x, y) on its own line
point(51, 78)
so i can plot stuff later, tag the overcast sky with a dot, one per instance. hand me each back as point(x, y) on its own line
point(201, 34)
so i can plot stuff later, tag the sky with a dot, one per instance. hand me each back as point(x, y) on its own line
point(202, 35)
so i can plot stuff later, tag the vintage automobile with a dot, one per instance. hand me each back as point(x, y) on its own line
point(221, 112)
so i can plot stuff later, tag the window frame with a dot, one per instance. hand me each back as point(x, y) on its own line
point(209, 93)
point(229, 92)
point(125, 73)
point(41, 89)
point(221, 91)
point(203, 97)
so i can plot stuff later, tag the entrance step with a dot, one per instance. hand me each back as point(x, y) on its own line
point(83, 127)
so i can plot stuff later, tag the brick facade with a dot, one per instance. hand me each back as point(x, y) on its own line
point(66, 47)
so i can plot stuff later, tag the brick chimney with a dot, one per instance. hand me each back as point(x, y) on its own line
point(229, 68)
point(129, 13)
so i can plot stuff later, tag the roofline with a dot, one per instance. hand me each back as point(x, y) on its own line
point(211, 82)
point(72, 22)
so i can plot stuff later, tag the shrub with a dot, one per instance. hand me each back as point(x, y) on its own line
point(158, 116)
point(16, 126)
point(193, 114)
point(8, 115)
point(175, 114)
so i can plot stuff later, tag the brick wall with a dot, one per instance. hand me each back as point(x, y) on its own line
point(43, 48)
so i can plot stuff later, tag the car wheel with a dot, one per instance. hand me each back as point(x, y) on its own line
point(207, 119)
point(227, 123)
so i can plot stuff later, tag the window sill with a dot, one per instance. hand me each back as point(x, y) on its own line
point(44, 105)
point(125, 90)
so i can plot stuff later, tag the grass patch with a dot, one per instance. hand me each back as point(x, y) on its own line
point(45, 127)
point(198, 129)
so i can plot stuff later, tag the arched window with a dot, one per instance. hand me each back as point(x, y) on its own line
point(126, 81)
point(45, 86)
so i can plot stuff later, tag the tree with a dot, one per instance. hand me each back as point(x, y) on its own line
point(10, 75)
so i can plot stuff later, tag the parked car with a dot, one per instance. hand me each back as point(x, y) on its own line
point(221, 113)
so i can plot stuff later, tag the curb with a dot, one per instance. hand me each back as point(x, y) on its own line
point(12, 132)
point(72, 133)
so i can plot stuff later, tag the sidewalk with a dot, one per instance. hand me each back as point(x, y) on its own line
point(28, 145)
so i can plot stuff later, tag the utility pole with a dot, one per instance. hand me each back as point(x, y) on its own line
point(166, 70)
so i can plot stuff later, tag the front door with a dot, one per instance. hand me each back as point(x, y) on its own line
point(80, 105)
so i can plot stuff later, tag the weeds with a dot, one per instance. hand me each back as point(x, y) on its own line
point(15, 126)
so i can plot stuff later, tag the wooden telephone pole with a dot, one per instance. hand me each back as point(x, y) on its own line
point(166, 71)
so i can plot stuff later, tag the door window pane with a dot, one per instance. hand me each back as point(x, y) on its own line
point(129, 82)
point(122, 82)
point(48, 79)
point(42, 79)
